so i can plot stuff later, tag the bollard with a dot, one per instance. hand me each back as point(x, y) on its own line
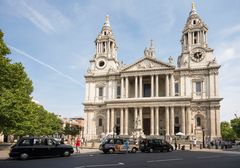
point(190, 146)
point(201, 146)
point(179, 146)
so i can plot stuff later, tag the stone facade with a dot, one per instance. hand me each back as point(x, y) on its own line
point(157, 98)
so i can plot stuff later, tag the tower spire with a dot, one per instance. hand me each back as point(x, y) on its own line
point(193, 11)
point(107, 23)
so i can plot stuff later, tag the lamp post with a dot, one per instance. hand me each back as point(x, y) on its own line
point(203, 131)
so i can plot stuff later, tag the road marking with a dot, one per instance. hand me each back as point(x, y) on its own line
point(208, 157)
point(165, 160)
point(104, 165)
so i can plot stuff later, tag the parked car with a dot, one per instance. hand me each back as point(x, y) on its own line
point(151, 145)
point(27, 147)
point(118, 145)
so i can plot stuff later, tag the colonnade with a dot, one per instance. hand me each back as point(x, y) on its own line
point(185, 124)
point(169, 86)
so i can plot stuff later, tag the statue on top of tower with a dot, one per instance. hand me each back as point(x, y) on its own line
point(150, 52)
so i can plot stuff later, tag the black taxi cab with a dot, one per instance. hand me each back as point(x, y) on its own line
point(27, 147)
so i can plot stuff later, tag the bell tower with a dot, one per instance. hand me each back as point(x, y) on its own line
point(105, 57)
point(195, 51)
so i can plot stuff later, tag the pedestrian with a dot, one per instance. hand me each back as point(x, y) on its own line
point(194, 143)
point(175, 144)
point(126, 144)
point(62, 141)
point(78, 144)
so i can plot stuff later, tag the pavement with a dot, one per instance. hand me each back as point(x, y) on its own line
point(4, 150)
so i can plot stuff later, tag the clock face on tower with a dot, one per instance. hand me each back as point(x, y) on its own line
point(198, 55)
point(101, 63)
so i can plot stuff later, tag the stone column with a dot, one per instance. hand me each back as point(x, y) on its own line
point(172, 87)
point(140, 87)
point(126, 121)
point(152, 121)
point(112, 120)
point(212, 122)
point(126, 87)
point(216, 84)
point(157, 121)
point(167, 85)
point(172, 121)
point(188, 123)
point(183, 120)
point(108, 119)
point(141, 118)
point(136, 86)
point(181, 88)
point(135, 116)
point(152, 86)
point(211, 85)
point(121, 121)
point(156, 86)
point(167, 120)
point(218, 130)
point(122, 87)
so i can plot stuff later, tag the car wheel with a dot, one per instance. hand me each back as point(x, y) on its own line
point(134, 150)
point(111, 151)
point(66, 153)
point(151, 150)
point(104, 151)
point(170, 150)
point(24, 156)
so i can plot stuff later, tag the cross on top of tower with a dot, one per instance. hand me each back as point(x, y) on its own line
point(193, 10)
point(107, 23)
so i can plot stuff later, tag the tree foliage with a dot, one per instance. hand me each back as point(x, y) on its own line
point(235, 123)
point(72, 130)
point(227, 131)
point(19, 115)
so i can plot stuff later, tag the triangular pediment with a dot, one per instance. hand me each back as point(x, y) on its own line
point(147, 64)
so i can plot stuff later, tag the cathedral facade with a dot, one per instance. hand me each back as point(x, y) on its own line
point(151, 97)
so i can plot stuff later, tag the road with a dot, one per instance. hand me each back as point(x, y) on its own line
point(182, 159)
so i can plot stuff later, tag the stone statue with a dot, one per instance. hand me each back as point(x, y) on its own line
point(170, 60)
point(138, 123)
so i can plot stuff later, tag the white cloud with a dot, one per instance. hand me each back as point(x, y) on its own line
point(41, 14)
point(46, 65)
point(230, 31)
point(228, 51)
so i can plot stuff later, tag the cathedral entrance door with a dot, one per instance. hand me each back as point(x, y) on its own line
point(176, 130)
point(146, 126)
point(118, 130)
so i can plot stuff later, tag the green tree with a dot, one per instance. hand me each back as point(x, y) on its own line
point(227, 131)
point(235, 123)
point(15, 90)
point(18, 114)
point(73, 130)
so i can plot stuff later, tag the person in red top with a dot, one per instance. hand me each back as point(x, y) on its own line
point(78, 144)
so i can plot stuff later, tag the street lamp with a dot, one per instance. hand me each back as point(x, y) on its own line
point(203, 131)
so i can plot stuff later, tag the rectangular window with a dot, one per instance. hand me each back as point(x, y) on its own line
point(118, 121)
point(118, 92)
point(176, 89)
point(100, 92)
point(198, 87)
point(147, 90)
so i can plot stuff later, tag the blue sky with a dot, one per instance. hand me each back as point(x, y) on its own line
point(54, 40)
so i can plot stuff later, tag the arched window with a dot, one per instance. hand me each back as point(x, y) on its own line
point(100, 122)
point(176, 120)
point(198, 121)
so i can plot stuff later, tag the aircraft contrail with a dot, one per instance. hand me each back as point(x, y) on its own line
point(46, 65)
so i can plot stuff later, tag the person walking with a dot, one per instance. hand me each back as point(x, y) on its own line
point(175, 144)
point(78, 144)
